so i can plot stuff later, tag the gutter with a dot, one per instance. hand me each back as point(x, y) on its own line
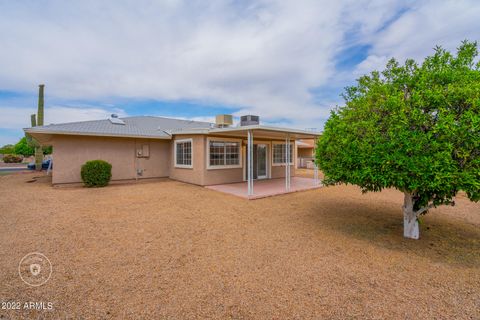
point(91, 134)
point(246, 128)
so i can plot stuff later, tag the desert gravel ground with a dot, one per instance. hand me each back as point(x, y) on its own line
point(169, 250)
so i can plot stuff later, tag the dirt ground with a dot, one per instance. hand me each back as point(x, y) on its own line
point(169, 250)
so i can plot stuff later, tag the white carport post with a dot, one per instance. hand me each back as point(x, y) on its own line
point(287, 163)
point(315, 174)
point(250, 162)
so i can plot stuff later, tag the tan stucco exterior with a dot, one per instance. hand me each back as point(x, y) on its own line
point(195, 174)
point(305, 152)
point(71, 152)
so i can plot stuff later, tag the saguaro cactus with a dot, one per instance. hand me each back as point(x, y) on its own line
point(38, 120)
point(33, 120)
point(40, 105)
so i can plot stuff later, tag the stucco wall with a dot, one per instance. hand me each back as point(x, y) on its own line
point(223, 175)
point(193, 175)
point(200, 175)
point(158, 163)
point(220, 176)
point(305, 152)
point(71, 152)
point(279, 171)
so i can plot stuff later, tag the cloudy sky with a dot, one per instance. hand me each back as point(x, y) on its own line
point(286, 61)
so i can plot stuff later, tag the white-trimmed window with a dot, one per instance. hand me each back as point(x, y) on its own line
point(183, 153)
point(279, 153)
point(223, 153)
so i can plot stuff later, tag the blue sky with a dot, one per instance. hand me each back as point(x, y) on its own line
point(287, 61)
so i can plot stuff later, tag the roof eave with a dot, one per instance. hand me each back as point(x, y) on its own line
point(90, 134)
point(245, 128)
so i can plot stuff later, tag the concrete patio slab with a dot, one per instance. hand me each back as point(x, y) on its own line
point(266, 188)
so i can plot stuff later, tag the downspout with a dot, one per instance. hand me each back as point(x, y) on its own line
point(250, 162)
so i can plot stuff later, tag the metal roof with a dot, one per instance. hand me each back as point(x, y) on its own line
point(142, 126)
point(158, 128)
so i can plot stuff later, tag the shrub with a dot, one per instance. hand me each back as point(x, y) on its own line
point(23, 148)
point(96, 173)
point(47, 150)
point(12, 158)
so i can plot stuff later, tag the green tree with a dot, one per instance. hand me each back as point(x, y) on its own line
point(7, 149)
point(47, 149)
point(24, 148)
point(412, 127)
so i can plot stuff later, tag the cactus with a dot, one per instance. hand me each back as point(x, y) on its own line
point(32, 142)
point(33, 120)
point(40, 105)
point(37, 120)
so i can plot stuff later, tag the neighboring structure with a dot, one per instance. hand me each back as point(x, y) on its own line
point(201, 153)
point(305, 153)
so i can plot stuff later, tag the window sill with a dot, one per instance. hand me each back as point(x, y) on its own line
point(280, 164)
point(178, 166)
point(224, 167)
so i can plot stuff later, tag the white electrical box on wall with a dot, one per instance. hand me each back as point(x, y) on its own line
point(146, 150)
point(143, 151)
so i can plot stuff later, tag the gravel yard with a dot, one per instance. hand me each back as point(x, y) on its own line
point(165, 249)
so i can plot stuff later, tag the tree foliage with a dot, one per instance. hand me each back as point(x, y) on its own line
point(7, 149)
point(413, 127)
point(24, 148)
point(47, 149)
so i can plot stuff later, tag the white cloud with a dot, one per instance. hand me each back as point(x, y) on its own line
point(260, 56)
point(15, 118)
point(263, 56)
point(425, 25)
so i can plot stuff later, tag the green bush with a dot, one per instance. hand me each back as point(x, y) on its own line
point(23, 148)
point(12, 158)
point(47, 150)
point(96, 173)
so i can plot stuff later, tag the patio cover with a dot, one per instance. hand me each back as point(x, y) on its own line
point(260, 131)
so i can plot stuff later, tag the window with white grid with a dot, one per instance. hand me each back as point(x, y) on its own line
point(279, 153)
point(223, 153)
point(183, 153)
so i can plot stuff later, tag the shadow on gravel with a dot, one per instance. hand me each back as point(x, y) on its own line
point(442, 239)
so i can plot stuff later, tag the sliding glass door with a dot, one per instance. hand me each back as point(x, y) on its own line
point(261, 161)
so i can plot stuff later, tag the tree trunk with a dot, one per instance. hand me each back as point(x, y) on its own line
point(410, 222)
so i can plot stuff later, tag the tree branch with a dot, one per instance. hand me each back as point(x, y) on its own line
point(424, 209)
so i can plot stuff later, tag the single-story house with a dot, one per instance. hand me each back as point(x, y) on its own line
point(196, 152)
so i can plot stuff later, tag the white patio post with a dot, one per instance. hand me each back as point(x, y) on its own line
point(289, 155)
point(315, 173)
point(287, 163)
point(250, 162)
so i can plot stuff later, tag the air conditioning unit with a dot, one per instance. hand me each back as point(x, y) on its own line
point(249, 120)
point(223, 120)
